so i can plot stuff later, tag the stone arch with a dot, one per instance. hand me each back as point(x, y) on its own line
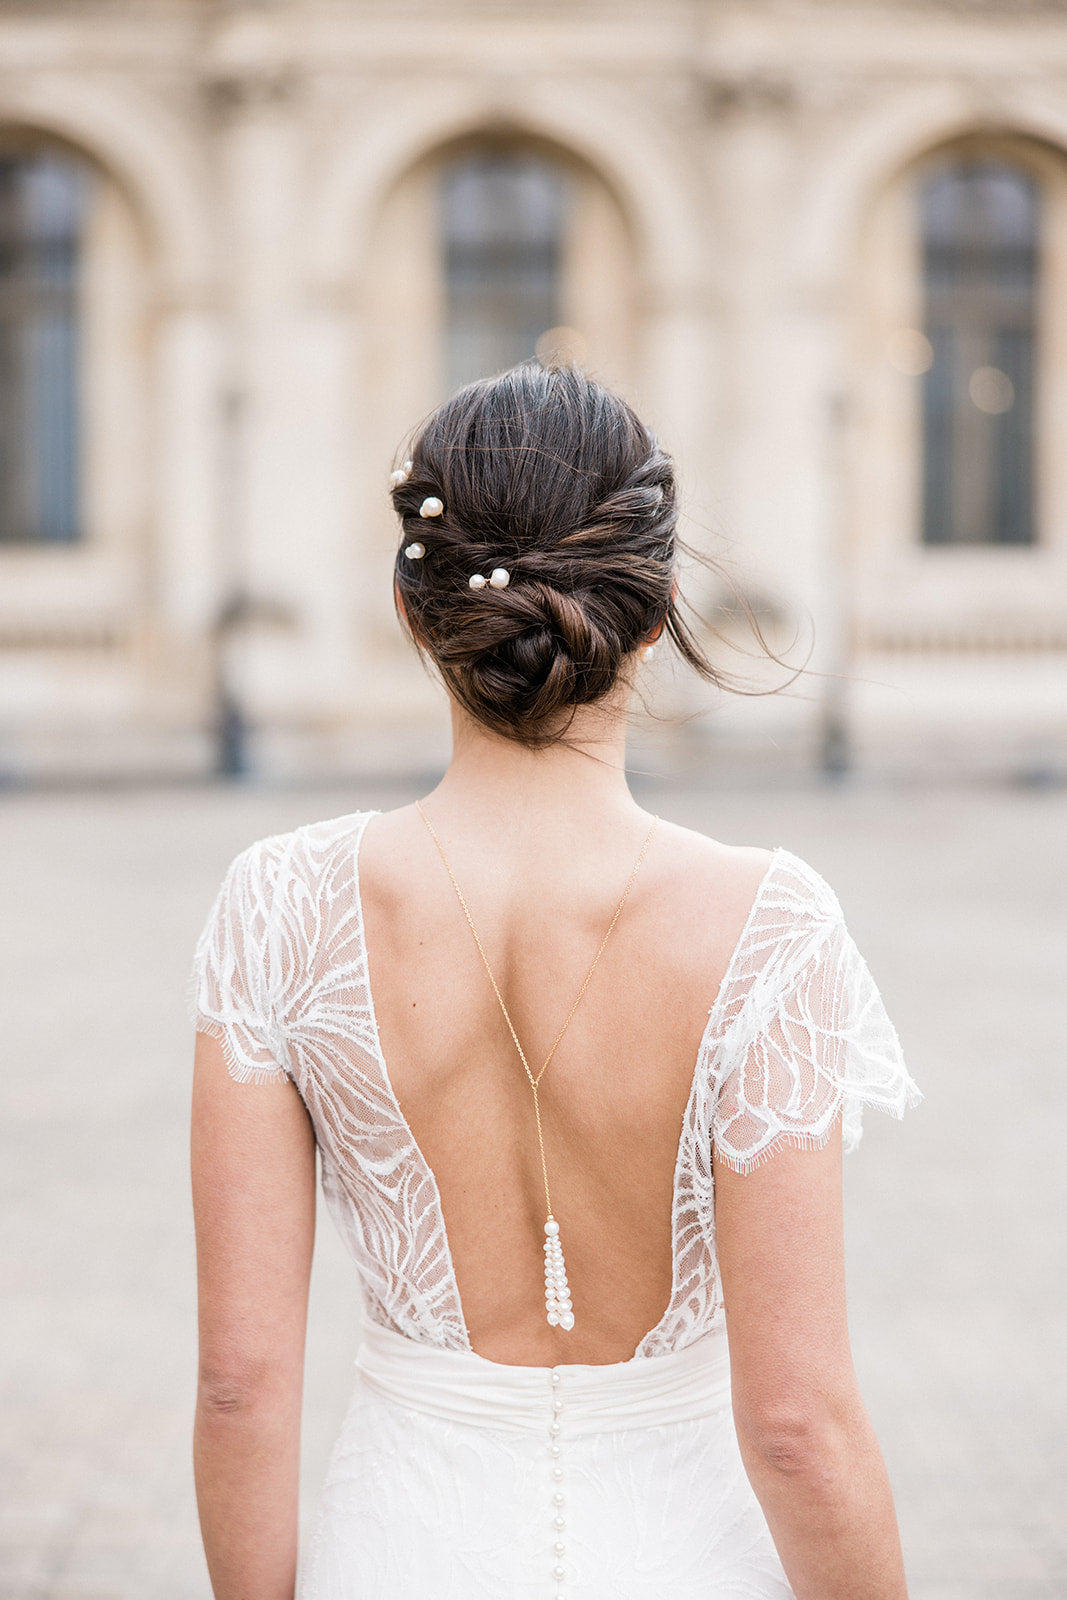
point(895, 137)
point(865, 274)
point(145, 152)
point(631, 158)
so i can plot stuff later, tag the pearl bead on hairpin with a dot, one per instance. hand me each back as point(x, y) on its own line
point(499, 578)
point(401, 475)
point(415, 552)
point(431, 506)
point(647, 652)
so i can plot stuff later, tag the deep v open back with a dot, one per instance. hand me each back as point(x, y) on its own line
point(796, 1037)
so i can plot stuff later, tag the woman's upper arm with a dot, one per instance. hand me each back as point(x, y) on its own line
point(253, 1171)
point(781, 1257)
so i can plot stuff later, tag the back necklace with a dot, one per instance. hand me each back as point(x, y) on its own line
point(557, 1293)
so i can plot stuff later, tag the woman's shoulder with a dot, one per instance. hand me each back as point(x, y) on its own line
point(745, 909)
point(746, 876)
point(304, 853)
point(689, 851)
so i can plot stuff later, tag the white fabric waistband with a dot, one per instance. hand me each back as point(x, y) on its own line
point(463, 1387)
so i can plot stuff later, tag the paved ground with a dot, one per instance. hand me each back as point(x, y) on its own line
point(956, 1218)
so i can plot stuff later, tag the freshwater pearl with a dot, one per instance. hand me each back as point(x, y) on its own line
point(552, 1227)
point(500, 577)
point(431, 506)
point(566, 1320)
point(476, 580)
point(559, 1523)
point(415, 552)
point(558, 1500)
point(557, 1473)
point(553, 1319)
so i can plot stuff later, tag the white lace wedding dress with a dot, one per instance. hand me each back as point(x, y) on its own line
point(456, 1478)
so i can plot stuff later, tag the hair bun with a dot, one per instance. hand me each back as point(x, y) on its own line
point(546, 475)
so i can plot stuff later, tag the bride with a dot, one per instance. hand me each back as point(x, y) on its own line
point(579, 1081)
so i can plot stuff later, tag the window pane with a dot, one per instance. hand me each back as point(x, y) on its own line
point(42, 207)
point(502, 222)
point(980, 234)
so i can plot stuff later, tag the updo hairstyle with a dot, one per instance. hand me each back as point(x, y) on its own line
point(545, 473)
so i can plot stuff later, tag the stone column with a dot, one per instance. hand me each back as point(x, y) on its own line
point(186, 386)
point(782, 351)
point(285, 614)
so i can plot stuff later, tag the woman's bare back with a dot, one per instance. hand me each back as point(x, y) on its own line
point(614, 1096)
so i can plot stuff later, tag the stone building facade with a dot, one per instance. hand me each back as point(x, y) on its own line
point(246, 244)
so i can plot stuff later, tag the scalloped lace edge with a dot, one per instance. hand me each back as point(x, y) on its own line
point(818, 1141)
point(239, 1070)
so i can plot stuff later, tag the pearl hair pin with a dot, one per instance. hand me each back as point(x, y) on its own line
point(431, 506)
point(499, 578)
point(647, 652)
point(401, 475)
point(415, 552)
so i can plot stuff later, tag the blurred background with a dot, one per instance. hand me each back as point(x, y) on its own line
point(245, 245)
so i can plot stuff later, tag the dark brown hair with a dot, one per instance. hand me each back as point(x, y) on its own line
point(544, 472)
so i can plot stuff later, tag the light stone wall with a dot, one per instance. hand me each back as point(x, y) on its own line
point(263, 306)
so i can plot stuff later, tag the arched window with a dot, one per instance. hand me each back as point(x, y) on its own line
point(503, 215)
point(42, 207)
point(980, 222)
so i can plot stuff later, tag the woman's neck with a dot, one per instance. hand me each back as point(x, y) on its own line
point(499, 783)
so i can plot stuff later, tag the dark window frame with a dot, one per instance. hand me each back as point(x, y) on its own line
point(981, 228)
point(44, 197)
point(503, 215)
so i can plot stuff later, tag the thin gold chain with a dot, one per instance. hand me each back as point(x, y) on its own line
point(535, 1081)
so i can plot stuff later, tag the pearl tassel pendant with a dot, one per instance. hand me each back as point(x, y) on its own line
point(557, 1294)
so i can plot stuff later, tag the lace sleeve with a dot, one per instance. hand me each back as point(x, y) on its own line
point(232, 969)
point(808, 1038)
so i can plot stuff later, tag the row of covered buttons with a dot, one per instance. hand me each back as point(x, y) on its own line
point(555, 1427)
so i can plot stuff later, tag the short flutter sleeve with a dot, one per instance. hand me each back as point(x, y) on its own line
point(805, 1037)
point(234, 976)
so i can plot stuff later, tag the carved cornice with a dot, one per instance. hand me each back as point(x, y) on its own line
point(232, 91)
point(726, 95)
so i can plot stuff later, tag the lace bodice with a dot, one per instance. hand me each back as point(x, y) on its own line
point(796, 1036)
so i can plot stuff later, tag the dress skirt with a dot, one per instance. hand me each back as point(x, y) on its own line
point(458, 1478)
